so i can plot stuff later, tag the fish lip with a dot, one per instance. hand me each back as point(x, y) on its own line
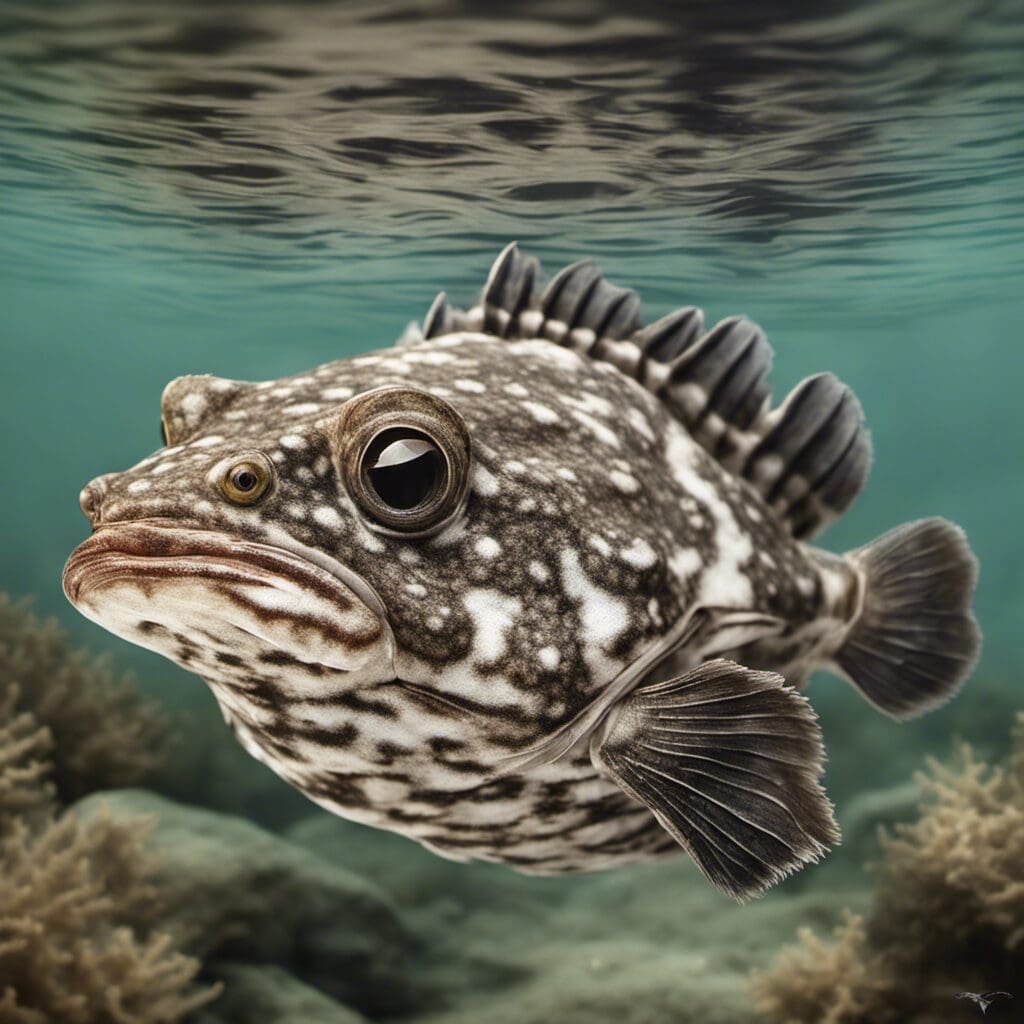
point(163, 547)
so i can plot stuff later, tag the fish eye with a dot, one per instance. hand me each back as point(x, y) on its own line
point(246, 479)
point(405, 459)
point(404, 467)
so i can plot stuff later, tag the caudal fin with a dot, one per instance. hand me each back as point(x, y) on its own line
point(915, 640)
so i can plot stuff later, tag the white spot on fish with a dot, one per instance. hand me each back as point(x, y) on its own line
point(541, 413)
point(539, 571)
point(639, 554)
point(624, 482)
point(493, 615)
point(208, 442)
point(338, 394)
point(517, 390)
point(302, 409)
point(484, 481)
point(327, 516)
point(598, 429)
point(587, 402)
point(473, 386)
point(292, 441)
point(192, 406)
point(487, 547)
point(685, 562)
point(138, 486)
point(724, 581)
point(371, 541)
point(549, 657)
point(603, 616)
point(599, 544)
point(640, 423)
point(429, 358)
point(416, 589)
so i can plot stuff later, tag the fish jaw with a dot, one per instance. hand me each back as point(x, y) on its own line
point(216, 604)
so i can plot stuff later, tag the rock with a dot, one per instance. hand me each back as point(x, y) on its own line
point(412, 875)
point(234, 892)
point(643, 945)
point(863, 815)
point(264, 993)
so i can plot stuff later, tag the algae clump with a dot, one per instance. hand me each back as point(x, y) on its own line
point(947, 916)
point(78, 910)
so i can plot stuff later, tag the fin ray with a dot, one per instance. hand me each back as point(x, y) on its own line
point(914, 640)
point(744, 835)
point(808, 458)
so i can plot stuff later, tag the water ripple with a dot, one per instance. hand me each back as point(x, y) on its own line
point(845, 151)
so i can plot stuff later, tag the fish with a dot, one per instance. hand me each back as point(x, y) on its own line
point(535, 584)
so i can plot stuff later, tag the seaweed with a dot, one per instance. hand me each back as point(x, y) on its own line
point(72, 949)
point(104, 733)
point(25, 766)
point(947, 915)
point(78, 908)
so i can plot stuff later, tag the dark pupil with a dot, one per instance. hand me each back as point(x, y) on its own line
point(404, 469)
point(245, 480)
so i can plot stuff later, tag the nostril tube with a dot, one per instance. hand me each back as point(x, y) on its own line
point(91, 499)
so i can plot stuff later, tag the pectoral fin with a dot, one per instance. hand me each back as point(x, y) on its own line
point(728, 760)
point(714, 629)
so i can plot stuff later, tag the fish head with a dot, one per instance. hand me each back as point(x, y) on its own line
point(225, 550)
point(463, 516)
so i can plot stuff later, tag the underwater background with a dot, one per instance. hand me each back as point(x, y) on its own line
point(252, 189)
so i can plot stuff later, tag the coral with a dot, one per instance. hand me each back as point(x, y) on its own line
point(104, 734)
point(236, 893)
point(75, 945)
point(948, 913)
point(25, 751)
point(77, 906)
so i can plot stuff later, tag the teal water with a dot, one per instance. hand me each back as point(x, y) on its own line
point(250, 190)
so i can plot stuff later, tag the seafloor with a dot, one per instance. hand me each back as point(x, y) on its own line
point(216, 894)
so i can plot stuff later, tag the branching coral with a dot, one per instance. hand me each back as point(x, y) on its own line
point(105, 735)
point(948, 912)
point(75, 945)
point(25, 750)
point(77, 942)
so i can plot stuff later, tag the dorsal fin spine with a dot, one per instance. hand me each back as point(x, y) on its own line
point(808, 458)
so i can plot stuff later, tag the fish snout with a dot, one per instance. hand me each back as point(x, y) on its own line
point(91, 498)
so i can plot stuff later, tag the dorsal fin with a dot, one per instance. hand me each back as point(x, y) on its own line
point(813, 456)
point(443, 318)
point(717, 386)
point(808, 458)
point(509, 291)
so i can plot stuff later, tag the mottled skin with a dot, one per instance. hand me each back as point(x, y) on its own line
point(593, 522)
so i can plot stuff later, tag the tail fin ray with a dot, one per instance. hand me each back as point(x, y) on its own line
point(915, 639)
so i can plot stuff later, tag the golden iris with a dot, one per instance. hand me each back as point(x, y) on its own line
point(246, 480)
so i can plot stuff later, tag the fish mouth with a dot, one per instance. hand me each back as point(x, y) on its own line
point(183, 591)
